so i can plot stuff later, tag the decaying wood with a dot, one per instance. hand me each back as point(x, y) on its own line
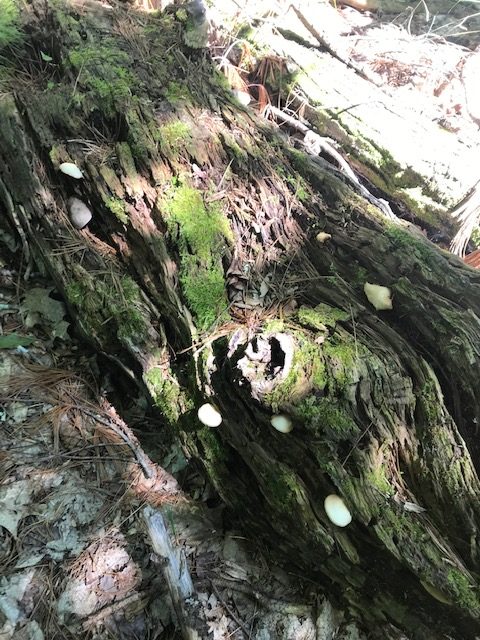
point(176, 574)
point(384, 404)
point(426, 135)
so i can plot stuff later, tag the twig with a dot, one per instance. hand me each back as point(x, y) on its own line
point(315, 144)
point(229, 610)
point(97, 618)
point(364, 433)
point(322, 40)
point(16, 222)
point(142, 459)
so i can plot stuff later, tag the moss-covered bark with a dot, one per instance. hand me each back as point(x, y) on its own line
point(205, 234)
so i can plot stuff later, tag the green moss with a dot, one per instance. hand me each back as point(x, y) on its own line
point(404, 240)
point(117, 207)
point(298, 185)
point(411, 542)
point(57, 153)
point(321, 316)
point(203, 233)
point(207, 445)
point(214, 453)
point(283, 488)
point(177, 93)
point(274, 326)
point(139, 137)
point(326, 417)
point(127, 163)
point(407, 539)
point(108, 301)
point(307, 370)
point(175, 136)
point(342, 354)
point(201, 228)
point(126, 159)
point(402, 183)
point(130, 321)
point(58, 108)
point(235, 152)
point(205, 291)
point(9, 23)
point(379, 479)
point(429, 405)
point(167, 394)
point(334, 361)
point(465, 593)
point(84, 297)
point(13, 147)
point(301, 161)
point(104, 76)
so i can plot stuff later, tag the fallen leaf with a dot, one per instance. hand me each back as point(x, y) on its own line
point(13, 340)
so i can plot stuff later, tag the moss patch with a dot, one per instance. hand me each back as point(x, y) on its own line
point(321, 316)
point(282, 487)
point(174, 137)
point(117, 207)
point(327, 417)
point(203, 233)
point(104, 76)
point(465, 594)
point(307, 372)
point(177, 93)
point(379, 479)
point(342, 354)
point(167, 394)
point(9, 23)
point(108, 305)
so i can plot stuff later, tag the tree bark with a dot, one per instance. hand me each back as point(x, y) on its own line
point(222, 265)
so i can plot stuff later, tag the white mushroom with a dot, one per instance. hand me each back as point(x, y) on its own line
point(380, 297)
point(323, 237)
point(71, 169)
point(281, 423)
point(337, 510)
point(80, 214)
point(243, 97)
point(209, 416)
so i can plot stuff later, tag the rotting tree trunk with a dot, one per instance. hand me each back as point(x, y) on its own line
point(195, 199)
point(354, 93)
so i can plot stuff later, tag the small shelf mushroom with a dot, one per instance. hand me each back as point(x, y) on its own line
point(337, 510)
point(323, 237)
point(71, 169)
point(281, 423)
point(209, 416)
point(80, 214)
point(243, 97)
point(380, 297)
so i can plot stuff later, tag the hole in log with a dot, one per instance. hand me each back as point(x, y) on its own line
point(277, 357)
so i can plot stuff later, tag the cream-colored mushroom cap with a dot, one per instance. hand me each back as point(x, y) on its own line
point(71, 169)
point(380, 297)
point(209, 416)
point(323, 237)
point(337, 510)
point(281, 423)
point(243, 97)
point(80, 214)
